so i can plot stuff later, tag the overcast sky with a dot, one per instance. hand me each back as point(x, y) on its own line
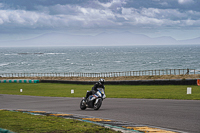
point(21, 19)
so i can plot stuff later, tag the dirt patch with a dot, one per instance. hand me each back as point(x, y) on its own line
point(194, 76)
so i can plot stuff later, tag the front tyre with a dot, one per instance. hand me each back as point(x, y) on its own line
point(82, 105)
point(98, 104)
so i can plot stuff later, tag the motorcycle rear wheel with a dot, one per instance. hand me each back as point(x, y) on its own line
point(82, 105)
point(98, 104)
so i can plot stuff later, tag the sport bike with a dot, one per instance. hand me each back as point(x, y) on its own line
point(93, 101)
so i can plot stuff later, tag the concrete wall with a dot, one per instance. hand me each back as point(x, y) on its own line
point(133, 82)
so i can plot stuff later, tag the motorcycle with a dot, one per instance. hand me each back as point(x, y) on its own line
point(93, 101)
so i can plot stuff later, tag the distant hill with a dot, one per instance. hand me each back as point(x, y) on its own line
point(102, 39)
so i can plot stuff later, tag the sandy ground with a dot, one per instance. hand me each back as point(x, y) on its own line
point(194, 76)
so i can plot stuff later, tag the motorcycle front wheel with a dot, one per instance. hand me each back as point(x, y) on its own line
point(98, 104)
point(82, 105)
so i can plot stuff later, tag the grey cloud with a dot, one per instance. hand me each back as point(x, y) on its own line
point(185, 1)
point(31, 4)
point(59, 9)
point(160, 17)
point(172, 14)
point(161, 4)
point(62, 14)
point(164, 4)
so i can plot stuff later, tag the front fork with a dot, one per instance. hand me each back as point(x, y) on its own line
point(96, 101)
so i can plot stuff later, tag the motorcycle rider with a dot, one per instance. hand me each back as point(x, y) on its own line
point(100, 84)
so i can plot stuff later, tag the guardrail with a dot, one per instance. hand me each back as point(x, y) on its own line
point(106, 74)
point(19, 81)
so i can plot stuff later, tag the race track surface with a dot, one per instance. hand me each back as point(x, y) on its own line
point(181, 115)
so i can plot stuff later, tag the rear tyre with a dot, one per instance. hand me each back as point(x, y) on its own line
point(98, 104)
point(82, 105)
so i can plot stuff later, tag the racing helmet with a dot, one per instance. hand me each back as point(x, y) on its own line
point(101, 81)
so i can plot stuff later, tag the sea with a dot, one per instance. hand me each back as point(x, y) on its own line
point(96, 59)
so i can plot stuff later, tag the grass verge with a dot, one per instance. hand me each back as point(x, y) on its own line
point(112, 91)
point(23, 123)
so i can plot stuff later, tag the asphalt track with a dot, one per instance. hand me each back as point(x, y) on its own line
point(181, 115)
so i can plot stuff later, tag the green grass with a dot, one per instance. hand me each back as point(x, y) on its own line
point(19, 122)
point(27, 123)
point(112, 91)
point(154, 92)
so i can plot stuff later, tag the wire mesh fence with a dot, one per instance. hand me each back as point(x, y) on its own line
point(106, 74)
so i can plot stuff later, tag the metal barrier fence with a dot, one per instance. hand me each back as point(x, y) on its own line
point(106, 74)
point(19, 81)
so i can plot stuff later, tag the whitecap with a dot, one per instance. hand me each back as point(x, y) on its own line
point(10, 54)
point(196, 71)
point(49, 53)
point(54, 53)
point(4, 64)
point(153, 62)
point(117, 61)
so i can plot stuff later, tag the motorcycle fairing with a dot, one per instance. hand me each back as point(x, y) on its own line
point(92, 97)
point(91, 104)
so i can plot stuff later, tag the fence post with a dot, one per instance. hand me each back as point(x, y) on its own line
point(106, 74)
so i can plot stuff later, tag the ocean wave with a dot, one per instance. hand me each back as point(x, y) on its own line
point(155, 62)
point(11, 54)
point(118, 61)
point(4, 64)
point(97, 59)
point(30, 53)
point(54, 53)
point(195, 70)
